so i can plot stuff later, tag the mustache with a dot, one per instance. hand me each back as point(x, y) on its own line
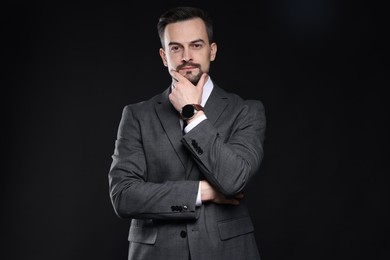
point(187, 64)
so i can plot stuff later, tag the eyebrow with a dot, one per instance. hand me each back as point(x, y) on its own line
point(192, 42)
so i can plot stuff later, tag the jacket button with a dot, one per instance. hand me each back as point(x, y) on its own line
point(185, 207)
point(194, 144)
point(183, 234)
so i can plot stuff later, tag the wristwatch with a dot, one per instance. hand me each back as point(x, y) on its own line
point(189, 110)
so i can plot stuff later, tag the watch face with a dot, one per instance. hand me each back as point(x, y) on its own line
point(188, 111)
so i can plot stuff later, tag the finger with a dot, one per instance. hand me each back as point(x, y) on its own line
point(240, 196)
point(229, 201)
point(177, 76)
point(234, 202)
point(202, 80)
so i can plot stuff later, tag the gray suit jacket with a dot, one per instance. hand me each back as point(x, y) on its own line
point(155, 174)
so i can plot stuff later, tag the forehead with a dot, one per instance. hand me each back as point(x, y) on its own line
point(186, 31)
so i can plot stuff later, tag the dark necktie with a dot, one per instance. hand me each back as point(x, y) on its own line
point(184, 126)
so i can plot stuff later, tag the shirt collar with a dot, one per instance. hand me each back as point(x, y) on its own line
point(207, 88)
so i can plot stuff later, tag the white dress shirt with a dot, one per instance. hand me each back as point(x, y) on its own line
point(207, 88)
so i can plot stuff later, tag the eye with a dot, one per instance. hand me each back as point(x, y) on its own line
point(196, 46)
point(175, 48)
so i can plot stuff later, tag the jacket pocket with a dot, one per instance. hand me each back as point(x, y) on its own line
point(142, 231)
point(235, 227)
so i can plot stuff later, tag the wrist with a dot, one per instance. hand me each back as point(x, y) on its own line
point(197, 115)
point(189, 111)
point(206, 192)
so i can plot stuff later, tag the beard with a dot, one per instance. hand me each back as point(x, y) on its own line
point(193, 78)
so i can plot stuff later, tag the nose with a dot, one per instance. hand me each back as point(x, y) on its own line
point(186, 55)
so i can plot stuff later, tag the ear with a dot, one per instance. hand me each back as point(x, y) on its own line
point(163, 57)
point(213, 51)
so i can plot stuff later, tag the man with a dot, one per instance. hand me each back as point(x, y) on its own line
point(183, 192)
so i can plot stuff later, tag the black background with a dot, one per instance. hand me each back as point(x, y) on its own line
point(320, 68)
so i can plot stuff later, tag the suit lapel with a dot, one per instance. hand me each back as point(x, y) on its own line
point(215, 105)
point(169, 119)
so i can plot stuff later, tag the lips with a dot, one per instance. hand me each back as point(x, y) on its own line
point(187, 67)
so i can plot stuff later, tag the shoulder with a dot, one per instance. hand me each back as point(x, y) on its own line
point(238, 101)
point(142, 107)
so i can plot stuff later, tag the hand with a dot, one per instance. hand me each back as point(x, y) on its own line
point(208, 193)
point(184, 92)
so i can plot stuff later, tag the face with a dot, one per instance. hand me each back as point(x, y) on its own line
point(187, 49)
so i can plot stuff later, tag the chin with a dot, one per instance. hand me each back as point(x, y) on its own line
point(194, 79)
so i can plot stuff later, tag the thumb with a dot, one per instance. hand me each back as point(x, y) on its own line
point(202, 81)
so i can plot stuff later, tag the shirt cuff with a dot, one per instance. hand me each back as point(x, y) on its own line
point(198, 198)
point(194, 123)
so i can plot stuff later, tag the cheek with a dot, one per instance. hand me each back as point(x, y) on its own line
point(171, 65)
point(204, 64)
point(171, 61)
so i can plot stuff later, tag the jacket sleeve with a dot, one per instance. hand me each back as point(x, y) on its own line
point(132, 196)
point(229, 163)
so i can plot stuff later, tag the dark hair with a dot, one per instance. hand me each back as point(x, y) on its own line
point(178, 14)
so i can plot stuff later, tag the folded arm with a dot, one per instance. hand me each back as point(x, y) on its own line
point(228, 163)
point(131, 194)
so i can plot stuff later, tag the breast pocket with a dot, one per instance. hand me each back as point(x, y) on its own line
point(142, 231)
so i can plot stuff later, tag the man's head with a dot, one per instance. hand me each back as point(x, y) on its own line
point(186, 35)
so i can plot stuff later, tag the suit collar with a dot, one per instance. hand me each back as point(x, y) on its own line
point(216, 104)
